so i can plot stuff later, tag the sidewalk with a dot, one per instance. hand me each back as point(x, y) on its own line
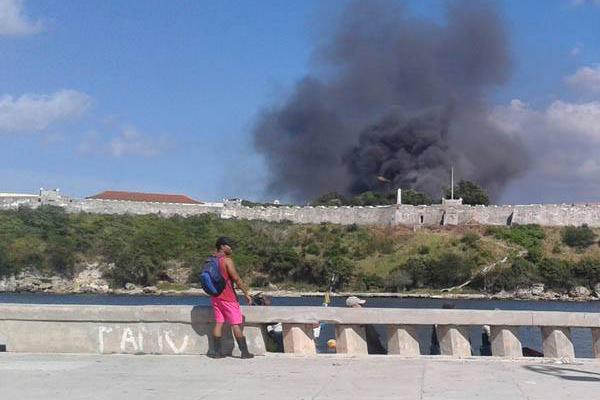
point(60, 377)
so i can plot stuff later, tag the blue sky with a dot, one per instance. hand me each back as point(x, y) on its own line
point(161, 96)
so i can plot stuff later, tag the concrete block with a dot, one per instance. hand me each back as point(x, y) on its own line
point(403, 340)
point(556, 342)
point(298, 339)
point(454, 340)
point(505, 341)
point(351, 339)
point(255, 339)
point(596, 342)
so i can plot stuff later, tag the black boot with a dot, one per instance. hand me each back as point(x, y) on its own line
point(244, 348)
point(217, 351)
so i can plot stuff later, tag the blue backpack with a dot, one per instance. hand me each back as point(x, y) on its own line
point(211, 279)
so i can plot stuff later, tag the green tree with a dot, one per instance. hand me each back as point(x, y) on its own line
point(330, 199)
point(281, 263)
point(366, 281)
point(415, 198)
point(5, 266)
point(556, 273)
point(520, 274)
point(398, 280)
point(417, 271)
point(578, 236)
point(450, 269)
point(587, 271)
point(470, 192)
point(340, 266)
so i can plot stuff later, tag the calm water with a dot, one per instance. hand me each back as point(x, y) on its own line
point(530, 337)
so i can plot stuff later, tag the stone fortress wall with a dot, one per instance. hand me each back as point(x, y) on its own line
point(448, 213)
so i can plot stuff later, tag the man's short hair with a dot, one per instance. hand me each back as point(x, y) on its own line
point(224, 241)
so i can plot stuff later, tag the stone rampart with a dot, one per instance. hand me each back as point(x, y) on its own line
point(558, 214)
point(439, 214)
point(186, 330)
point(541, 214)
point(382, 215)
point(8, 203)
point(138, 208)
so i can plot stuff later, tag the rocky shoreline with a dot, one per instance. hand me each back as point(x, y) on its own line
point(90, 281)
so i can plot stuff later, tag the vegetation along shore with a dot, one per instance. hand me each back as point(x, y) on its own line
point(49, 250)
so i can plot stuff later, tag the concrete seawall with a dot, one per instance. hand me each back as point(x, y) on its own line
point(186, 330)
point(112, 329)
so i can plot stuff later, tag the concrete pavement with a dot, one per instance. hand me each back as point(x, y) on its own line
point(62, 376)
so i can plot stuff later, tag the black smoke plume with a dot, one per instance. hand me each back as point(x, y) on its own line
point(397, 98)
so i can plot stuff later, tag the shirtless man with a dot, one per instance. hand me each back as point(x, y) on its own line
point(226, 307)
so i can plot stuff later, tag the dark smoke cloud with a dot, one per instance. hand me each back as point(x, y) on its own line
point(395, 97)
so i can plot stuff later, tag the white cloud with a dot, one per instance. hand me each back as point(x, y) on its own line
point(35, 112)
point(575, 119)
point(560, 120)
point(13, 21)
point(564, 141)
point(127, 142)
point(132, 142)
point(585, 79)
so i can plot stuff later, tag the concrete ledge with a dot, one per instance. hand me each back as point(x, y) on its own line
point(596, 342)
point(186, 329)
point(556, 342)
point(304, 315)
point(403, 340)
point(351, 339)
point(505, 341)
point(299, 339)
point(454, 340)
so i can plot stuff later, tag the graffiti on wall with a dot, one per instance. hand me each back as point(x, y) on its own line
point(140, 340)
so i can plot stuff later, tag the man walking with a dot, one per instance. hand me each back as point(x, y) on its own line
point(226, 307)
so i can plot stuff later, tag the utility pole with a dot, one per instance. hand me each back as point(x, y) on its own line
point(452, 183)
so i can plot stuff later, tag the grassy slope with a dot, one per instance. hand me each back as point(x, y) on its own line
point(47, 237)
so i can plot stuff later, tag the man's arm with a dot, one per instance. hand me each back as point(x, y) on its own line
point(234, 276)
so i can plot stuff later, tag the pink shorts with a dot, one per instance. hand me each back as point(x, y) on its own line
point(227, 311)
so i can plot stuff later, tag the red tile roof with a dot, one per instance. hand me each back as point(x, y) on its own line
point(146, 197)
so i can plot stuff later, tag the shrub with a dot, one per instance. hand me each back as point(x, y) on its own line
point(352, 228)
point(398, 280)
point(27, 253)
point(534, 254)
point(423, 250)
point(417, 271)
point(313, 249)
point(520, 274)
point(280, 263)
point(373, 199)
point(340, 266)
point(555, 273)
point(5, 267)
point(380, 243)
point(138, 268)
point(470, 239)
point(528, 236)
point(587, 271)
point(369, 281)
point(557, 249)
point(450, 269)
point(579, 237)
point(330, 199)
point(61, 260)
